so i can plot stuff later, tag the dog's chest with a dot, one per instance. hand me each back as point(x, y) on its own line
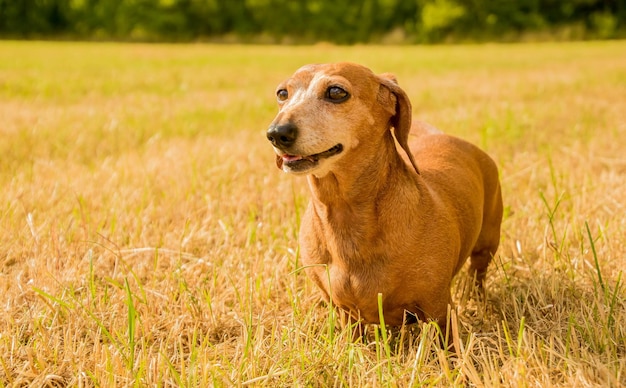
point(354, 290)
point(352, 286)
point(347, 263)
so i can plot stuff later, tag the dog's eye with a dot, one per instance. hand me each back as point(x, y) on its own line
point(336, 94)
point(282, 94)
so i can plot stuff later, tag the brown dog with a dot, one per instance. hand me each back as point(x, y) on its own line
point(400, 221)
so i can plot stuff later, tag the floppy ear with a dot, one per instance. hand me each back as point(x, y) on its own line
point(396, 102)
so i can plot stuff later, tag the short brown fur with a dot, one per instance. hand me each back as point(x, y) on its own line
point(396, 214)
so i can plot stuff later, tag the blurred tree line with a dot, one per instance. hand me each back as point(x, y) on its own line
point(339, 21)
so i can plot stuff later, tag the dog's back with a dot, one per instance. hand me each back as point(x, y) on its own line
point(465, 179)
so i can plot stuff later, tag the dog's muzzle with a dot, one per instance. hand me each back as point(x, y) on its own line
point(303, 163)
point(283, 138)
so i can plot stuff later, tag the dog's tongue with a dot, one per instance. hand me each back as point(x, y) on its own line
point(291, 158)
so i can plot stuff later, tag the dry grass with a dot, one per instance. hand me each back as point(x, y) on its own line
point(146, 237)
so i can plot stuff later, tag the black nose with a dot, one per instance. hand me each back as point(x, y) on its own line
point(282, 136)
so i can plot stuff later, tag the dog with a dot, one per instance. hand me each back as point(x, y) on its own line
point(396, 208)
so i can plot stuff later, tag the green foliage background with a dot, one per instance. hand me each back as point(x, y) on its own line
point(301, 21)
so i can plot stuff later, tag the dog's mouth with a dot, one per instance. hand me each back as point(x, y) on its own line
point(299, 163)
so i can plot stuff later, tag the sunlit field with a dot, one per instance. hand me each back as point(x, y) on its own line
point(148, 239)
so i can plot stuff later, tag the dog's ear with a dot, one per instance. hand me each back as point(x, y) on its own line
point(396, 102)
point(389, 77)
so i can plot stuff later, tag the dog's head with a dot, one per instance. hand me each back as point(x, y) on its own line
point(328, 112)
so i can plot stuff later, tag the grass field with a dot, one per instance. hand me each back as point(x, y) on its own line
point(147, 238)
